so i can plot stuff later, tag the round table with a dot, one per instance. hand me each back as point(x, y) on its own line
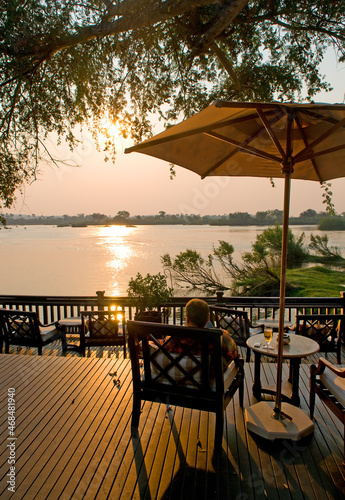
point(298, 348)
point(70, 326)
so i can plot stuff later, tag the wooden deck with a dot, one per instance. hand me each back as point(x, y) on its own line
point(73, 439)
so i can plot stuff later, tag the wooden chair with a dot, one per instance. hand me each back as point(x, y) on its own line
point(237, 323)
point(192, 377)
point(328, 382)
point(23, 328)
point(101, 328)
point(326, 329)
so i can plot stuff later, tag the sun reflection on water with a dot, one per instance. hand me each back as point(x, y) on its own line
point(115, 240)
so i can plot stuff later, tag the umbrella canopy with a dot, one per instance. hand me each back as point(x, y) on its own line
point(290, 140)
point(255, 139)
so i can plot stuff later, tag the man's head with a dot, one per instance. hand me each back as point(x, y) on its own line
point(197, 313)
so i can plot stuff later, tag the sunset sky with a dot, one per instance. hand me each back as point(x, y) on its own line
point(141, 185)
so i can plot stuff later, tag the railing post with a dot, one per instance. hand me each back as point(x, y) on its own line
point(343, 302)
point(100, 300)
point(219, 295)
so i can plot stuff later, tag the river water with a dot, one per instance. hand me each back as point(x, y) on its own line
point(50, 260)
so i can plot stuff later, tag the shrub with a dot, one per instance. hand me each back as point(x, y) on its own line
point(150, 291)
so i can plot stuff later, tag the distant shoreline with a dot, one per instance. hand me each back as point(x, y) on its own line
point(22, 222)
point(323, 220)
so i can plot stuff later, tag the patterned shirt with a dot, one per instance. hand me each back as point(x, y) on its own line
point(229, 347)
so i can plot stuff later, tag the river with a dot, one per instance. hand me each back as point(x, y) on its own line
point(50, 260)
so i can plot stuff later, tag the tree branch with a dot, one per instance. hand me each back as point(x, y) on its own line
point(227, 64)
point(227, 14)
point(131, 17)
point(301, 27)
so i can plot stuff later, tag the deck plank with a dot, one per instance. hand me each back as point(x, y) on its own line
point(104, 461)
point(51, 437)
point(74, 440)
point(85, 415)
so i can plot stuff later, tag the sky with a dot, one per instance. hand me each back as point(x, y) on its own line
point(141, 185)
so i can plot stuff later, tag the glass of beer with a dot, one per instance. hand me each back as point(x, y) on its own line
point(268, 333)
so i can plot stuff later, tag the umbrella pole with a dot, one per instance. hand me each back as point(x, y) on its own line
point(287, 183)
point(259, 418)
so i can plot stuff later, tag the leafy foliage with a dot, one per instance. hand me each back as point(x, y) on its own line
point(259, 272)
point(269, 243)
point(67, 65)
point(320, 246)
point(191, 269)
point(150, 291)
point(327, 197)
point(332, 223)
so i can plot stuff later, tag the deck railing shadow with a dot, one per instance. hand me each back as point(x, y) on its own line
point(289, 461)
point(139, 460)
point(116, 352)
point(189, 480)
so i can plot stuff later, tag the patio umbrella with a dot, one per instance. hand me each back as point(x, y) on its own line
point(279, 140)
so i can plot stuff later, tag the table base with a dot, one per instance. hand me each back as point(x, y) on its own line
point(71, 347)
point(286, 392)
point(290, 391)
point(259, 420)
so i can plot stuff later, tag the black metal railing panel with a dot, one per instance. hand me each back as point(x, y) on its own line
point(52, 309)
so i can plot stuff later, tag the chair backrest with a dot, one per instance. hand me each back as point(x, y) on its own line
point(326, 329)
point(100, 324)
point(19, 326)
point(184, 367)
point(234, 321)
point(151, 316)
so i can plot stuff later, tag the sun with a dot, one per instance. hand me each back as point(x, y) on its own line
point(109, 128)
point(113, 130)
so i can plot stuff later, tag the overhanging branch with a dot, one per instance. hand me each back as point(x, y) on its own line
point(226, 64)
point(132, 15)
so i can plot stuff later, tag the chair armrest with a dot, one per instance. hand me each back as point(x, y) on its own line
point(323, 363)
point(239, 362)
point(255, 327)
point(55, 323)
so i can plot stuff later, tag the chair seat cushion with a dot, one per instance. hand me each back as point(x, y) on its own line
point(335, 384)
point(48, 332)
point(228, 376)
point(189, 365)
point(231, 325)
point(320, 333)
point(103, 328)
point(253, 330)
point(163, 362)
point(20, 327)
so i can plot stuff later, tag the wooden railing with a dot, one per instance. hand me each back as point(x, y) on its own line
point(268, 307)
point(50, 308)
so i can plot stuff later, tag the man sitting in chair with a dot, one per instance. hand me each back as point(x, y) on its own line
point(198, 316)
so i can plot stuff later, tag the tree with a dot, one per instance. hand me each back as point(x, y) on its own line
point(308, 214)
point(98, 218)
point(257, 275)
point(268, 245)
point(123, 214)
point(149, 291)
point(320, 246)
point(269, 217)
point(241, 219)
point(67, 65)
